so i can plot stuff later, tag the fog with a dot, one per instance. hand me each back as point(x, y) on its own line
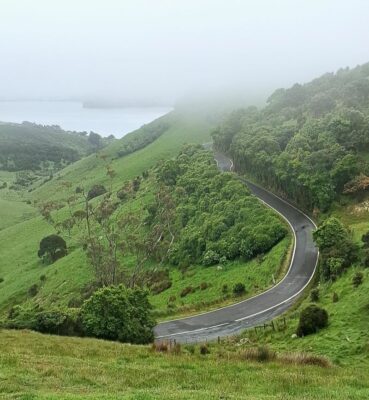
point(161, 50)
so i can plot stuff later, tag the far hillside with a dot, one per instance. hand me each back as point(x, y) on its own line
point(34, 147)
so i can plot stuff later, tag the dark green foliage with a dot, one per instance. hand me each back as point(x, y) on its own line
point(117, 313)
point(33, 290)
point(52, 247)
point(306, 142)
point(95, 191)
point(365, 239)
point(204, 285)
point(225, 289)
point(335, 297)
point(239, 289)
point(59, 322)
point(29, 146)
point(1, 280)
point(54, 321)
point(314, 295)
point(337, 248)
point(217, 218)
point(312, 318)
point(357, 279)
point(204, 349)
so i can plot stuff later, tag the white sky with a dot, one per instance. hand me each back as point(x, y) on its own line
point(168, 48)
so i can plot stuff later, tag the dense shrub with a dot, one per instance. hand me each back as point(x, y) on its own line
point(314, 295)
point(239, 289)
point(95, 191)
point(117, 313)
point(204, 285)
point(204, 349)
point(1, 280)
point(59, 321)
point(357, 279)
point(22, 317)
point(312, 318)
point(33, 290)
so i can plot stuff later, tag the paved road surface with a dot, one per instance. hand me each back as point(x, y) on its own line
point(265, 306)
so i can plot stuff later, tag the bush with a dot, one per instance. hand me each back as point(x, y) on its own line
point(187, 290)
point(225, 289)
point(95, 191)
point(33, 290)
point(204, 285)
point(204, 349)
point(22, 317)
point(60, 322)
point(172, 299)
point(312, 318)
point(1, 280)
point(118, 313)
point(210, 258)
point(357, 279)
point(239, 289)
point(314, 295)
point(335, 297)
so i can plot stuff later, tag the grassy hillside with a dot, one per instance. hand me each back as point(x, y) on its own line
point(181, 128)
point(35, 366)
point(64, 282)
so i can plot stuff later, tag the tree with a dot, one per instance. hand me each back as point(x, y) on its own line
point(95, 140)
point(312, 318)
point(117, 313)
point(336, 246)
point(52, 247)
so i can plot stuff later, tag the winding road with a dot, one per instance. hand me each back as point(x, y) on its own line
point(256, 310)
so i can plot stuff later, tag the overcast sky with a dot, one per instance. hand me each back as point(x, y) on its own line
point(165, 49)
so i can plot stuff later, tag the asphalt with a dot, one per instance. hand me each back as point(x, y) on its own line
point(264, 307)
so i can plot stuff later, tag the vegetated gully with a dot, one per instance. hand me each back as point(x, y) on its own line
point(264, 307)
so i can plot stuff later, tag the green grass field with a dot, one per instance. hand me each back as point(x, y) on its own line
point(35, 366)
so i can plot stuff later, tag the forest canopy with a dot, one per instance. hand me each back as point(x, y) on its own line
point(308, 142)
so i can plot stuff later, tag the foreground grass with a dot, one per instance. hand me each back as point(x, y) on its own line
point(35, 366)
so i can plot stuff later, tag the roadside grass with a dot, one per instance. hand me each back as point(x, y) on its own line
point(257, 275)
point(345, 341)
point(35, 366)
